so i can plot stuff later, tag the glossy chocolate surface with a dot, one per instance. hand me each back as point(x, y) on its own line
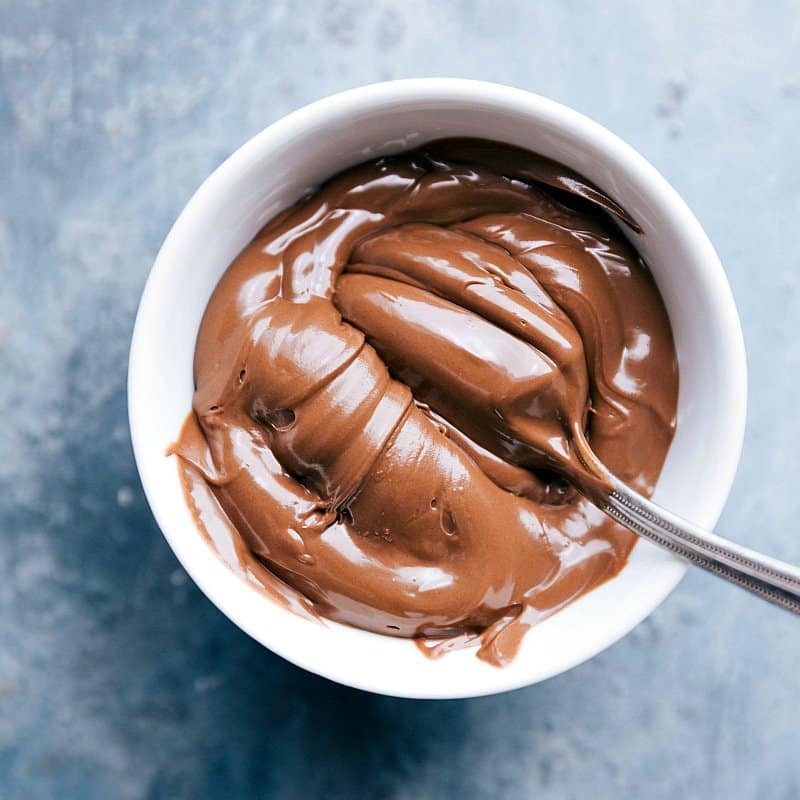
point(390, 379)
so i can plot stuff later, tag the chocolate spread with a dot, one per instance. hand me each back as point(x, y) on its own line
point(389, 382)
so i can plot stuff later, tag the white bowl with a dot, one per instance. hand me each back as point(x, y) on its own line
point(271, 171)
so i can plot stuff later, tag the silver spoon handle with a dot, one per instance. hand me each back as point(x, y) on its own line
point(764, 576)
point(767, 577)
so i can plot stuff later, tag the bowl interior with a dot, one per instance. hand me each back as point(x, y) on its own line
point(295, 154)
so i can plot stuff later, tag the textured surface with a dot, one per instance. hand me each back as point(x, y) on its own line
point(117, 678)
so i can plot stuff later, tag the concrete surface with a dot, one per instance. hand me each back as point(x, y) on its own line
point(117, 678)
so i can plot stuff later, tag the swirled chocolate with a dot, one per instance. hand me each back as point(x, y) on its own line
point(389, 382)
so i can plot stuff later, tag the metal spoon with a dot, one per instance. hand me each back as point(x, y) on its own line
point(764, 576)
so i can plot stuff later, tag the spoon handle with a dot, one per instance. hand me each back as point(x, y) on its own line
point(767, 577)
point(764, 576)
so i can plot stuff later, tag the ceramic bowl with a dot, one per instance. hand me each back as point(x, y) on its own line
point(296, 153)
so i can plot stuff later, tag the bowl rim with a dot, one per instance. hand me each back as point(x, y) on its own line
point(435, 90)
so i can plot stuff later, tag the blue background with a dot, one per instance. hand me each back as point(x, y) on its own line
point(118, 679)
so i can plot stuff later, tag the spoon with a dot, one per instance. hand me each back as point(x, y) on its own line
point(769, 578)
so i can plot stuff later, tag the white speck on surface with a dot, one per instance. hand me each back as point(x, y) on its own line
point(125, 497)
point(178, 578)
point(206, 683)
